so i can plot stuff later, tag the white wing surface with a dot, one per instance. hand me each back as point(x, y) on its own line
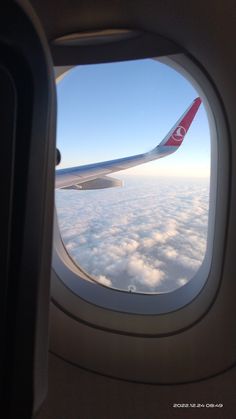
point(94, 176)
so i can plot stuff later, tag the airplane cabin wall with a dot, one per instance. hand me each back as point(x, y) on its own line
point(75, 393)
point(206, 30)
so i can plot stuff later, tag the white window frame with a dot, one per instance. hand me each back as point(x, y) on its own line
point(167, 313)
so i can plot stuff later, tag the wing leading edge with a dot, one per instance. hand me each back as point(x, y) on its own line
point(90, 175)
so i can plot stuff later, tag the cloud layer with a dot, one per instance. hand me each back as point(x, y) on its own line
point(149, 236)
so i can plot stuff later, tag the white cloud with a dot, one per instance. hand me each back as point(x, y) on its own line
point(143, 272)
point(170, 252)
point(104, 280)
point(148, 236)
point(182, 281)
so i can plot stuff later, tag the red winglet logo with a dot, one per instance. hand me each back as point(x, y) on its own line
point(184, 123)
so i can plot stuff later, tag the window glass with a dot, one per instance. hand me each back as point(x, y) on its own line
point(149, 235)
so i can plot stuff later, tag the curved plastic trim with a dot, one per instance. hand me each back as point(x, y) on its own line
point(167, 313)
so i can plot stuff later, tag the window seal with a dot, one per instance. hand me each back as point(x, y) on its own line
point(162, 313)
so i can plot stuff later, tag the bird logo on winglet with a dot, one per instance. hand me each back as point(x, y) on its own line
point(179, 133)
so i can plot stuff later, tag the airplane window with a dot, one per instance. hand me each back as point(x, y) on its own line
point(139, 224)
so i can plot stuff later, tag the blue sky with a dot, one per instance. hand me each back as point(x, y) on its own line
point(108, 111)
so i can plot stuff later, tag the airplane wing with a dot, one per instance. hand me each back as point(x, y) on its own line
point(94, 176)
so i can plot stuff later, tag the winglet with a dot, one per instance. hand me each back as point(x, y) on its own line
point(175, 136)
